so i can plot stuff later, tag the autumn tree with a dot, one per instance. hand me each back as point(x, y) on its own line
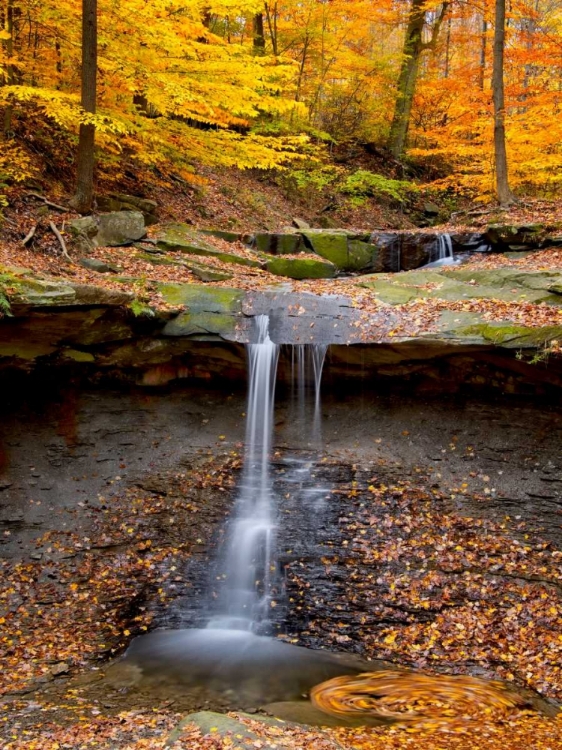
point(414, 47)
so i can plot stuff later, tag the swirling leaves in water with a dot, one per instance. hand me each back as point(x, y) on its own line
point(413, 699)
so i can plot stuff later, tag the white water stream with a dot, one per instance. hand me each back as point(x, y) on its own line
point(251, 578)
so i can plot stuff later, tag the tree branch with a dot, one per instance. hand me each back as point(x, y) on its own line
point(62, 243)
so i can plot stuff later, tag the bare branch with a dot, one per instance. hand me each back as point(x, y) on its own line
point(30, 235)
point(62, 243)
point(49, 203)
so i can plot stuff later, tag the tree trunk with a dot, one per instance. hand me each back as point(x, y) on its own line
point(414, 46)
point(505, 196)
point(271, 15)
point(9, 71)
point(483, 50)
point(259, 34)
point(84, 196)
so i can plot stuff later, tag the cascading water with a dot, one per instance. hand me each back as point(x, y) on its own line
point(250, 561)
point(442, 252)
point(307, 362)
point(445, 249)
point(251, 582)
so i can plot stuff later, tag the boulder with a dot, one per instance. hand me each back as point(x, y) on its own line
point(329, 245)
point(108, 230)
point(120, 228)
point(210, 311)
point(93, 264)
point(206, 273)
point(278, 243)
point(361, 256)
point(474, 242)
point(431, 210)
point(300, 223)
point(416, 250)
point(387, 258)
point(123, 202)
point(301, 268)
point(515, 237)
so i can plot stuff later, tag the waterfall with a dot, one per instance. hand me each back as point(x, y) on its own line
point(251, 583)
point(307, 362)
point(445, 249)
point(442, 252)
point(250, 577)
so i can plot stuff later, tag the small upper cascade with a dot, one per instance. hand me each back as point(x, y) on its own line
point(442, 252)
point(307, 362)
point(445, 249)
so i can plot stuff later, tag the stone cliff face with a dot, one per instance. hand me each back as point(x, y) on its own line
point(201, 330)
point(94, 331)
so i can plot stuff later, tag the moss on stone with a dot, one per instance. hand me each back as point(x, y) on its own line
point(200, 297)
point(77, 356)
point(513, 335)
point(329, 245)
point(301, 268)
point(183, 238)
point(202, 322)
point(278, 243)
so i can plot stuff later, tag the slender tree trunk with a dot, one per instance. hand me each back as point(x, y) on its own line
point(414, 46)
point(483, 53)
point(505, 196)
point(84, 196)
point(301, 67)
point(259, 34)
point(271, 15)
point(448, 50)
point(9, 72)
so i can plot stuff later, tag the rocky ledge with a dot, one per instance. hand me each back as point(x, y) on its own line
point(443, 326)
point(298, 253)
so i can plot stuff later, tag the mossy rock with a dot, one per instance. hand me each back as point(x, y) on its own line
point(506, 285)
point(329, 245)
point(361, 255)
point(278, 243)
point(77, 356)
point(512, 336)
point(206, 273)
point(37, 293)
point(199, 297)
point(184, 239)
point(222, 234)
point(210, 310)
point(301, 268)
point(513, 234)
point(202, 324)
point(390, 293)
